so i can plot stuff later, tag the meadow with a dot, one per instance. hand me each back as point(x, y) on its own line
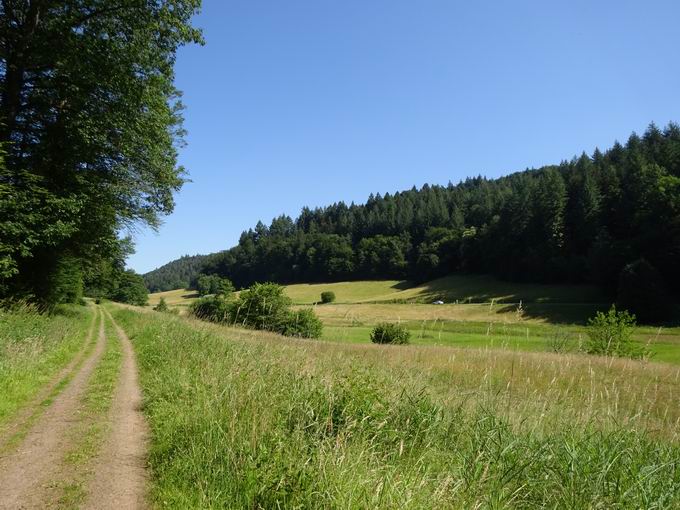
point(251, 419)
point(479, 312)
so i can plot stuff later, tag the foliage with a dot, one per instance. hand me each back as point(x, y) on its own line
point(263, 306)
point(131, 289)
point(212, 308)
point(610, 334)
point(327, 297)
point(642, 292)
point(178, 274)
point(162, 306)
point(213, 284)
point(390, 333)
point(303, 324)
point(580, 221)
point(90, 122)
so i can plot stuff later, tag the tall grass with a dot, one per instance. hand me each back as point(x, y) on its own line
point(245, 419)
point(33, 348)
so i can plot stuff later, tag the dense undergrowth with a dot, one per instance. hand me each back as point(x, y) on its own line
point(242, 419)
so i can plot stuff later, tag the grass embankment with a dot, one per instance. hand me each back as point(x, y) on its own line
point(246, 419)
point(34, 347)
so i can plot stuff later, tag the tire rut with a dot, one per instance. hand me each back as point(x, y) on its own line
point(25, 470)
point(120, 470)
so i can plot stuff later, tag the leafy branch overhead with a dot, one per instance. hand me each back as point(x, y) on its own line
point(90, 123)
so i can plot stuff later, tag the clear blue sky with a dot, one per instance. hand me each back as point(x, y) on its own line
point(308, 102)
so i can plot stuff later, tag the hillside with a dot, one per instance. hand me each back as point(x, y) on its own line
point(177, 274)
point(611, 220)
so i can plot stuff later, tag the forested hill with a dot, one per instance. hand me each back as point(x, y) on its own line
point(178, 274)
point(582, 220)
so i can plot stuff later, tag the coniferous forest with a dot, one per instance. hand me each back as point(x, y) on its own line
point(612, 218)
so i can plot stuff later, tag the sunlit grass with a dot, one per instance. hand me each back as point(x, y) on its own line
point(250, 419)
point(33, 348)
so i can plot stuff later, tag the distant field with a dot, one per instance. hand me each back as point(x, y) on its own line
point(522, 317)
point(179, 297)
point(450, 289)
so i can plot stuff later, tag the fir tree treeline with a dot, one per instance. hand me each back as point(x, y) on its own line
point(178, 274)
point(583, 220)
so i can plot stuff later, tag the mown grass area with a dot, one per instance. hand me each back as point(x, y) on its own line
point(345, 292)
point(479, 326)
point(451, 289)
point(34, 347)
point(250, 419)
point(179, 297)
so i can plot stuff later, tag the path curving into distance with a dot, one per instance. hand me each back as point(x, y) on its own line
point(30, 470)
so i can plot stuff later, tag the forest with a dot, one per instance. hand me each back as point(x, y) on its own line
point(90, 125)
point(611, 218)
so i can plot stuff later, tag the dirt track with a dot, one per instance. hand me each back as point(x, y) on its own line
point(123, 457)
point(36, 465)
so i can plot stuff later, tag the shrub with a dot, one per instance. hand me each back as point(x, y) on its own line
point(388, 333)
point(263, 306)
point(162, 306)
point(213, 309)
point(302, 324)
point(214, 284)
point(642, 292)
point(610, 334)
point(327, 297)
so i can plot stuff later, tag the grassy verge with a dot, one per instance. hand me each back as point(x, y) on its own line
point(33, 348)
point(243, 419)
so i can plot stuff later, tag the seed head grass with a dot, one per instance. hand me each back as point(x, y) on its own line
point(250, 419)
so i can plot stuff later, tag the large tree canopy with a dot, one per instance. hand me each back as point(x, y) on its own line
point(90, 122)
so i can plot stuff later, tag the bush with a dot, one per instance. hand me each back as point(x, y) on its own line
point(388, 333)
point(162, 306)
point(610, 334)
point(213, 284)
point(642, 292)
point(327, 297)
point(213, 309)
point(263, 306)
point(302, 324)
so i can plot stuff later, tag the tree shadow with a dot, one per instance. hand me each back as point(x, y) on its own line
point(556, 313)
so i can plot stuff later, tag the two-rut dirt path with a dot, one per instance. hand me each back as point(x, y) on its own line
point(36, 464)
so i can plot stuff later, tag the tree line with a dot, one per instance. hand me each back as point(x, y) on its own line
point(611, 218)
point(90, 122)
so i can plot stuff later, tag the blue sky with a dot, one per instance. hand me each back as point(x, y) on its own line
point(308, 102)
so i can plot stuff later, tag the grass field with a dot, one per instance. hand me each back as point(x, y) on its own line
point(524, 317)
point(450, 289)
point(179, 297)
point(249, 419)
point(33, 348)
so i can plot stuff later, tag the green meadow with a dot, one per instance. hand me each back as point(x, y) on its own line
point(241, 418)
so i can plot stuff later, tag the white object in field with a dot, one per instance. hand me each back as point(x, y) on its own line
point(438, 302)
